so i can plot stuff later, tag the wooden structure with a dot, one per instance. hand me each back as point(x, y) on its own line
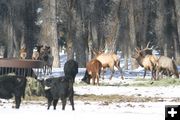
point(21, 67)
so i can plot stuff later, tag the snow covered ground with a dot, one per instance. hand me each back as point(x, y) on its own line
point(134, 108)
point(94, 110)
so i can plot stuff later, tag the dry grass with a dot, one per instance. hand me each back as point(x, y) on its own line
point(161, 82)
point(115, 98)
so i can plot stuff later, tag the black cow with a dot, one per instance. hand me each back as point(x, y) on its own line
point(59, 87)
point(71, 69)
point(12, 86)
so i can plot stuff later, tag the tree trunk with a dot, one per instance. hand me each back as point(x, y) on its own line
point(177, 22)
point(70, 29)
point(177, 14)
point(49, 29)
point(132, 35)
point(159, 25)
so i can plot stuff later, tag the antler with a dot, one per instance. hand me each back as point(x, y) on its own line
point(137, 49)
point(148, 44)
point(94, 51)
point(147, 47)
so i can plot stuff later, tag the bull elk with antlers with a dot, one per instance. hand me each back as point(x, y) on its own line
point(146, 59)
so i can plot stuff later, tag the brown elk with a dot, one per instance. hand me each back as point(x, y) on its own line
point(164, 65)
point(109, 60)
point(93, 70)
point(37, 50)
point(23, 53)
point(149, 62)
point(167, 66)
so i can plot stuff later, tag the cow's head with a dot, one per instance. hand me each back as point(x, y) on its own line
point(86, 78)
point(47, 83)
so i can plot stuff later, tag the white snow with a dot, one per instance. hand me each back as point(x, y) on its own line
point(98, 109)
point(118, 111)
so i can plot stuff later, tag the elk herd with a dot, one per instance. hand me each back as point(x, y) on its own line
point(101, 61)
point(40, 52)
point(62, 87)
point(157, 65)
point(94, 67)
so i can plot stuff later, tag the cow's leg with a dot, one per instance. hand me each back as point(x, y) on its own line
point(55, 103)
point(50, 99)
point(74, 79)
point(63, 103)
point(17, 101)
point(71, 99)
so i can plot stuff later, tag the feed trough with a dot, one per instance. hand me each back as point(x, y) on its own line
point(20, 67)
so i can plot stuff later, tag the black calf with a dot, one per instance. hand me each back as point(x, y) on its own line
point(56, 88)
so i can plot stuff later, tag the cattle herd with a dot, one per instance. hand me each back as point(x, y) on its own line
point(62, 87)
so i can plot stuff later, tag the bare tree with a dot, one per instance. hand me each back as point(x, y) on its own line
point(49, 28)
point(70, 27)
point(177, 21)
point(132, 34)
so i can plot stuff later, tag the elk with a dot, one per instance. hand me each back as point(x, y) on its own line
point(93, 70)
point(109, 60)
point(37, 50)
point(23, 53)
point(148, 61)
point(48, 59)
point(167, 66)
point(164, 64)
